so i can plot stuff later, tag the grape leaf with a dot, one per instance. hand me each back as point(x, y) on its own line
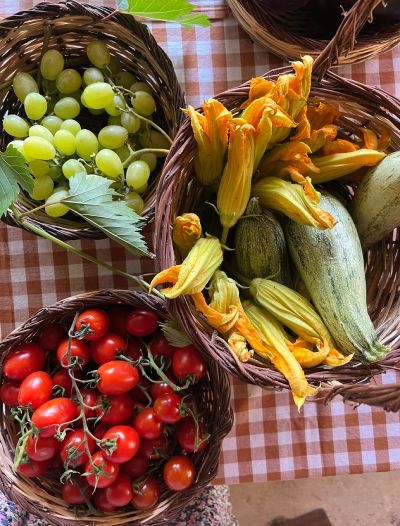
point(14, 172)
point(174, 334)
point(179, 11)
point(91, 197)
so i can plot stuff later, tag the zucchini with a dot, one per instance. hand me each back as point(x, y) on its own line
point(376, 204)
point(331, 265)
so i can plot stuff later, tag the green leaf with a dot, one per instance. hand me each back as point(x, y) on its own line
point(14, 172)
point(91, 197)
point(174, 334)
point(179, 11)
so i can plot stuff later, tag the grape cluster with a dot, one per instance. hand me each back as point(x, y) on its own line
point(57, 147)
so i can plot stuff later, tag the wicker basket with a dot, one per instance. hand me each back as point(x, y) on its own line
point(287, 34)
point(179, 192)
point(69, 27)
point(43, 498)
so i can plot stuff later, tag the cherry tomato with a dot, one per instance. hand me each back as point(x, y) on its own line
point(118, 315)
point(63, 379)
point(138, 393)
point(156, 448)
point(78, 351)
point(168, 408)
point(52, 414)
point(73, 451)
point(159, 346)
point(100, 430)
point(141, 322)
point(101, 501)
point(134, 349)
point(109, 468)
point(187, 361)
point(98, 321)
point(136, 466)
point(147, 424)
point(35, 389)
point(51, 336)
point(120, 492)
point(186, 436)
point(72, 494)
point(127, 443)
point(178, 473)
point(160, 389)
point(90, 398)
point(107, 347)
point(117, 377)
point(33, 468)
point(41, 449)
point(119, 409)
point(9, 393)
point(55, 462)
point(23, 360)
point(145, 494)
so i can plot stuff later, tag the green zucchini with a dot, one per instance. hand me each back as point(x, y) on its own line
point(376, 205)
point(331, 265)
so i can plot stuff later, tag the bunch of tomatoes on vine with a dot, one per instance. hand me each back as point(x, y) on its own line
point(111, 404)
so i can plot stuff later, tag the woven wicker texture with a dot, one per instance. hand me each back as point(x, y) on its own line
point(43, 498)
point(69, 27)
point(179, 192)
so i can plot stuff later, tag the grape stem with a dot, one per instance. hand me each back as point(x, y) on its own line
point(134, 154)
point(33, 210)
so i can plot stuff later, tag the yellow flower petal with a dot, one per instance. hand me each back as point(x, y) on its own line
point(223, 321)
point(306, 357)
point(186, 231)
point(237, 342)
point(370, 139)
point(339, 146)
point(259, 87)
point(324, 113)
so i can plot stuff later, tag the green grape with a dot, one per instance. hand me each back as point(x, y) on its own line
point(54, 208)
point(137, 174)
point(37, 130)
point(143, 188)
point(114, 66)
point(96, 112)
point(39, 168)
point(154, 139)
point(67, 108)
point(124, 79)
point(143, 103)
point(71, 125)
point(98, 54)
point(35, 106)
point(75, 95)
point(15, 126)
point(114, 120)
point(52, 64)
point(42, 188)
point(141, 86)
point(52, 123)
point(72, 167)
point(18, 145)
point(130, 122)
point(149, 158)
point(109, 163)
point(92, 75)
point(55, 172)
point(23, 84)
point(39, 148)
point(134, 201)
point(68, 81)
point(65, 142)
point(86, 144)
point(83, 101)
point(98, 95)
point(113, 137)
point(112, 108)
point(123, 152)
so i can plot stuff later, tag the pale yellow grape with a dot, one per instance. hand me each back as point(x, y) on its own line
point(52, 123)
point(149, 158)
point(18, 145)
point(15, 126)
point(123, 152)
point(114, 66)
point(143, 103)
point(65, 142)
point(37, 130)
point(141, 86)
point(143, 188)
point(92, 75)
point(98, 54)
point(130, 122)
point(112, 108)
point(109, 163)
point(86, 144)
point(55, 172)
point(137, 174)
point(54, 208)
point(154, 139)
point(98, 95)
point(67, 108)
point(96, 112)
point(68, 81)
point(114, 120)
point(39, 168)
point(39, 148)
point(83, 101)
point(134, 201)
point(35, 106)
point(113, 136)
point(124, 79)
point(51, 64)
point(42, 188)
point(72, 167)
point(71, 125)
point(23, 84)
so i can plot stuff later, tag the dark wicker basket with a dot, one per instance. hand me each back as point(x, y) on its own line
point(179, 192)
point(42, 496)
point(287, 34)
point(71, 26)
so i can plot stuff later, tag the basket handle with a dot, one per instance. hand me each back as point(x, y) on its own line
point(345, 37)
point(386, 397)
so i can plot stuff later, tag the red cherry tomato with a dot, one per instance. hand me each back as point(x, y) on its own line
point(120, 492)
point(41, 449)
point(156, 448)
point(23, 360)
point(127, 443)
point(51, 336)
point(178, 473)
point(134, 349)
point(35, 389)
point(63, 379)
point(147, 424)
point(187, 361)
point(101, 501)
point(107, 347)
point(145, 493)
point(98, 321)
point(160, 389)
point(50, 415)
point(118, 315)
point(136, 466)
point(140, 391)
point(55, 462)
point(119, 409)
point(100, 430)
point(90, 398)
point(186, 436)
point(159, 346)
point(33, 468)
point(141, 322)
point(109, 468)
point(9, 393)
point(78, 351)
point(169, 408)
point(117, 377)
point(73, 451)
point(72, 494)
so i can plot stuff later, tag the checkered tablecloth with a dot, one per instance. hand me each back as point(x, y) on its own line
point(269, 440)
